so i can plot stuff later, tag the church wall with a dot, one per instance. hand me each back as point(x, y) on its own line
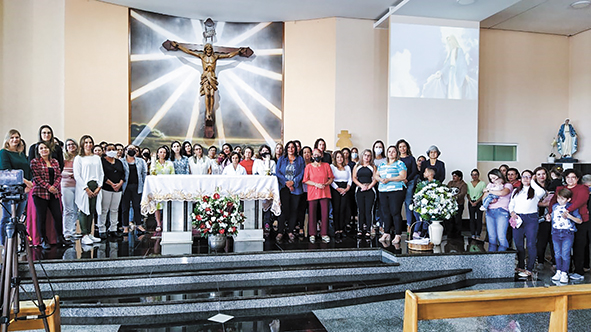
point(580, 92)
point(97, 72)
point(309, 81)
point(361, 81)
point(524, 93)
point(32, 86)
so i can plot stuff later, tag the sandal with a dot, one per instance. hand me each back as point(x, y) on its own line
point(158, 229)
point(279, 237)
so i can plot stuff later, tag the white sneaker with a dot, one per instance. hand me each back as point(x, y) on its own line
point(93, 238)
point(564, 278)
point(482, 208)
point(86, 240)
point(557, 275)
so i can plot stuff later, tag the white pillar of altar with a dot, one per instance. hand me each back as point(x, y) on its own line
point(251, 237)
point(176, 241)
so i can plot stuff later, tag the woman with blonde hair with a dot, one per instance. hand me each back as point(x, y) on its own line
point(12, 157)
point(69, 190)
point(363, 177)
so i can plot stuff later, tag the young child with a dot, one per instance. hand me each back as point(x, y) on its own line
point(422, 227)
point(563, 233)
point(497, 185)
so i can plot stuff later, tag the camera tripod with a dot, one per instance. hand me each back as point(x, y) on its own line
point(10, 280)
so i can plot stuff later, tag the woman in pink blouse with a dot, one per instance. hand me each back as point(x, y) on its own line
point(318, 176)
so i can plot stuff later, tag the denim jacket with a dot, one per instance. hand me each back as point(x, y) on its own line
point(142, 172)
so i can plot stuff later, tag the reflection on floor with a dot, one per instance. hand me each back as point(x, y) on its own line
point(381, 314)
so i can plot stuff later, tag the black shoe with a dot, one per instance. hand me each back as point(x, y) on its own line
point(64, 242)
point(116, 234)
point(103, 236)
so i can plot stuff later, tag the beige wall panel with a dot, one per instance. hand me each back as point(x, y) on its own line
point(32, 67)
point(524, 92)
point(97, 79)
point(361, 81)
point(580, 92)
point(309, 81)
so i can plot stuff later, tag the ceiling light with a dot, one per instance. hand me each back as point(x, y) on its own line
point(580, 4)
point(465, 2)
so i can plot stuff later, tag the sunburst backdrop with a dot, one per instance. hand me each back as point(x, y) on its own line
point(164, 93)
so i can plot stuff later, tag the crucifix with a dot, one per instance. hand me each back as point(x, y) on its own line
point(209, 56)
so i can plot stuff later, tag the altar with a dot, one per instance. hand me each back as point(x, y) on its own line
point(177, 192)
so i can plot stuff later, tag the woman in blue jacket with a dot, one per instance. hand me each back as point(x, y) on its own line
point(290, 172)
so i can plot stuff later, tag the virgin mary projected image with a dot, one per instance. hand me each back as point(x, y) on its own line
point(433, 62)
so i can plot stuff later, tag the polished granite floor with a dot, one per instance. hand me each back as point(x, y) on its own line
point(376, 316)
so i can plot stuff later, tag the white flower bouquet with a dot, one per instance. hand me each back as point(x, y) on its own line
point(434, 201)
point(218, 215)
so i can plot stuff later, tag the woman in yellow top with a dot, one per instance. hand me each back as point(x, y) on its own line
point(161, 166)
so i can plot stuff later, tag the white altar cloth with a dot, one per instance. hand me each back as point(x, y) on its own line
point(159, 188)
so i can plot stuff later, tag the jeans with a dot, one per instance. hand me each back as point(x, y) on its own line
point(391, 205)
point(410, 190)
point(497, 221)
point(562, 239)
point(70, 213)
point(6, 214)
point(529, 229)
point(475, 218)
point(111, 200)
point(365, 201)
point(488, 199)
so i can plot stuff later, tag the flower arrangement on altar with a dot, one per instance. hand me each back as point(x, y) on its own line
point(434, 201)
point(218, 215)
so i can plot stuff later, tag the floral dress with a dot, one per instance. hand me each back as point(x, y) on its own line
point(181, 166)
point(157, 168)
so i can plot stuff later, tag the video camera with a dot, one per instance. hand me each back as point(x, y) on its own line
point(12, 186)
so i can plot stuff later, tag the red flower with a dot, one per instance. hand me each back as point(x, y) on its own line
point(207, 209)
point(199, 218)
point(233, 229)
point(205, 198)
point(202, 226)
point(216, 196)
point(222, 231)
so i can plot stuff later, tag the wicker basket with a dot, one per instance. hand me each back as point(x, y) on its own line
point(420, 247)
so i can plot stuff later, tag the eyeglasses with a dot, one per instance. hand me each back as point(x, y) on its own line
point(526, 177)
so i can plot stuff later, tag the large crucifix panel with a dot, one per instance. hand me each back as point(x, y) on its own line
point(165, 88)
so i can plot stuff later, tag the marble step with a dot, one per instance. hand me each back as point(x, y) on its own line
point(177, 307)
point(217, 262)
point(191, 281)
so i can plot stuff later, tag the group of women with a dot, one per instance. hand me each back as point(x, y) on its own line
point(519, 212)
point(104, 183)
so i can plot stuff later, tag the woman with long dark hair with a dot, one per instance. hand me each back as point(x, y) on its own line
point(542, 179)
point(320, 144)
point(411, 177)
point(524, 207)
point(290, 172)
point(578, 201)
point(47, 178)
point(46, 135)
point(187, 149)
point(136, 171)
point(180, 161)
point(497, 214)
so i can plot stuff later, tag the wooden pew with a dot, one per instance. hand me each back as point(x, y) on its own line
point(460, 304)
point(27, 308)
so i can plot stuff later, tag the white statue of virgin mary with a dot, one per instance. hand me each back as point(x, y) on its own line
point(567, 139)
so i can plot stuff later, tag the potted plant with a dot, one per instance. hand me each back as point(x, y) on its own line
point(434, 203)
point(217, 217)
